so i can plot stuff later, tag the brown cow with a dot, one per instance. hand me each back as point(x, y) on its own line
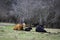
point(18, 27)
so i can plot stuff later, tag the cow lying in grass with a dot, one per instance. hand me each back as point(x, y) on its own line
point(40, 28)
point(21, 27)
point(18, 27)
point(28, 29)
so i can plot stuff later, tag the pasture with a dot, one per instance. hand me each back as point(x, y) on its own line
point(7, 33)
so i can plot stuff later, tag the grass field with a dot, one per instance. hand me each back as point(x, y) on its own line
point(7, 33)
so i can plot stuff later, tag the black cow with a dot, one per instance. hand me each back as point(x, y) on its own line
point(28, 29)
point(40, 28)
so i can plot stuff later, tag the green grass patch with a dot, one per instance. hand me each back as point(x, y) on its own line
point(7, 33)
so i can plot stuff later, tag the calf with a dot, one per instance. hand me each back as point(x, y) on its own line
point(28, 29)
point(40, 28)
point(18, 27)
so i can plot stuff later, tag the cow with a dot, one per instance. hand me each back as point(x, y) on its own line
point(28, 29)
point(18, 27)
point(40, 28)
